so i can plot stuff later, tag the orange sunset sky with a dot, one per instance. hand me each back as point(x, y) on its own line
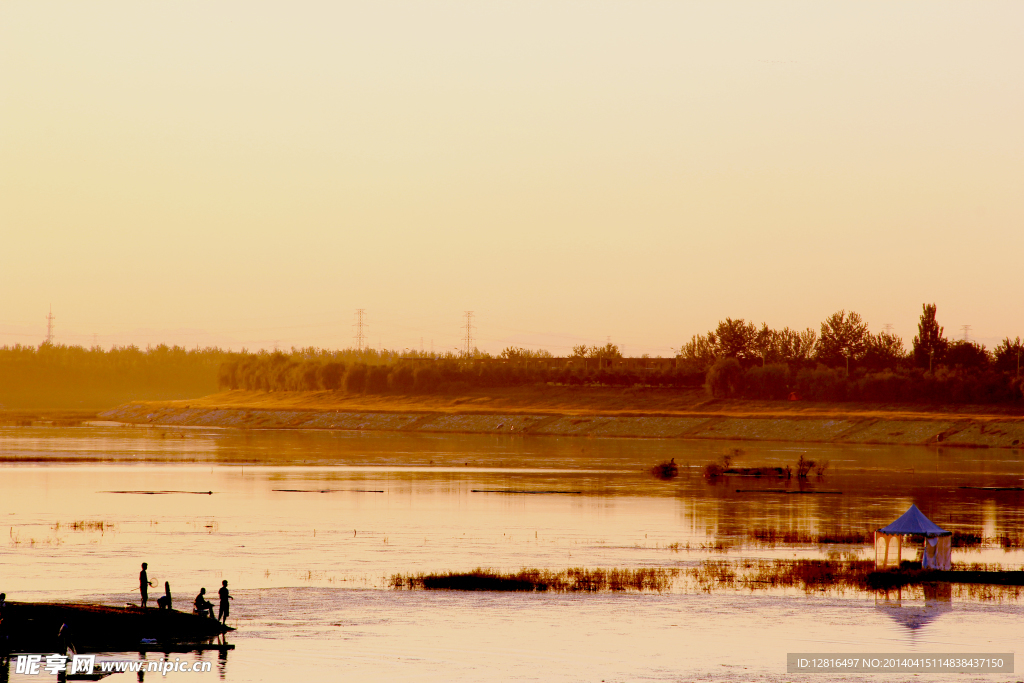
point(250, 173)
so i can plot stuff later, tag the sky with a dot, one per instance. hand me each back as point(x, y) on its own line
point(249, 174)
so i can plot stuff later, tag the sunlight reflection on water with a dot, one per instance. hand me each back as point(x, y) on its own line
point(386, 509)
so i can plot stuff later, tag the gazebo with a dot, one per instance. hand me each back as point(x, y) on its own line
point(935, 553)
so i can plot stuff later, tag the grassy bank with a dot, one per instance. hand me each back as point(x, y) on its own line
point(558, 400)
point(594, 412)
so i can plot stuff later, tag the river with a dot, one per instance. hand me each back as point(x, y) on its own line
point(309, 526)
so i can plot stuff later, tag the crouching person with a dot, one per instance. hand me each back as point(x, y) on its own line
point(203, 607)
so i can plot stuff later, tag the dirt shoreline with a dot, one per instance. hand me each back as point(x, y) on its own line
point(594, 414)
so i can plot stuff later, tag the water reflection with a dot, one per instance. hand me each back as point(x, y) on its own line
point(407, 503)
point(342, 509)
point(912, 613)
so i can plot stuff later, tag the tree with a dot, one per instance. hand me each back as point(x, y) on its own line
point(884, 350)
point(734, 339)
point(966, 354)
point(724, 378)
point(330, 375)
point(1008, 356)
point(519, 353)
point(514, 353)
point(699, 350)
point(765, 343)
point(793, 346)
point(929, 344)
point(580, 351)
point(609, 350)
point(842, 337)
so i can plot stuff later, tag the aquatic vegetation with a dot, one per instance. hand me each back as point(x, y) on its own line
point(807, 575)
point(576, 579)
point(836, 574)
point(84, 525)
point(773, 537)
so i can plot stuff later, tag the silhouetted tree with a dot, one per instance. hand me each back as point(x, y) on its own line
point(401, 378)
point(843, 337)
point(1009, 355)
point(884, 350)
point(426, 379)
point(764, 343)
point(700, 351)
point(929, 344)
point(967, 354)
point(609, 350)
point(377, 379)
point(734, 339)
point(355, 379)
point(519, 353)
point(725, 378)
point(330, 375)
point(792, 346)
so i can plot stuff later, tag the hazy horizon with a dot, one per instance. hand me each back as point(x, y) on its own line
point(249, 174)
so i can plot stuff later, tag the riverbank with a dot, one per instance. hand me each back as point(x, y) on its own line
point(558, 411)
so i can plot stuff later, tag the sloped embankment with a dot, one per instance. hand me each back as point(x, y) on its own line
point(854, 429)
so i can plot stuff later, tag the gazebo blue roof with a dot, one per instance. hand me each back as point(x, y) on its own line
point(913, 521)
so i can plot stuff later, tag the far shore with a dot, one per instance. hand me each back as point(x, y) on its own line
point(591, 412)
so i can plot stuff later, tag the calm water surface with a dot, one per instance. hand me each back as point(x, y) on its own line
point(308, 526)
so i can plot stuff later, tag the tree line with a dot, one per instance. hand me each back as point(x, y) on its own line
point(300, 371)
point(841, 361)
point(59, 376)
point(844, 361)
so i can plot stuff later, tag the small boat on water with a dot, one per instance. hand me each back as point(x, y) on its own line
point(36, 627)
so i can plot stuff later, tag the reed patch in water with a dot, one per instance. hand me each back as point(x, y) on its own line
point(789, 537)
point(84, 525)
point(576, 579)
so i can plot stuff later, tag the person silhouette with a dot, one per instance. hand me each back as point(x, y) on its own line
point(3, 630)
point(164, 601)
point(144, 584)
point(64, 644)
point(225, 607)
point(203, 606)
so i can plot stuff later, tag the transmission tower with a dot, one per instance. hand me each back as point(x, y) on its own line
point(49, 326)
point(469, 332)
point(360, 335)
point(888, 329)
point(967, 332)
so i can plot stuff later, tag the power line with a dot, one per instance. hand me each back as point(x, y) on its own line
point(360, 335)
point(469, 332)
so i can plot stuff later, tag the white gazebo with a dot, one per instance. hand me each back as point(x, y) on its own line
point(889, 541)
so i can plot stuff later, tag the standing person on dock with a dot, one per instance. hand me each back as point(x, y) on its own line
point(225, 607)
point(144, 584)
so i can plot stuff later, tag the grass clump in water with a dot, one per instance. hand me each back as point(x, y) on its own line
point(807, 575)
point(576, 579)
